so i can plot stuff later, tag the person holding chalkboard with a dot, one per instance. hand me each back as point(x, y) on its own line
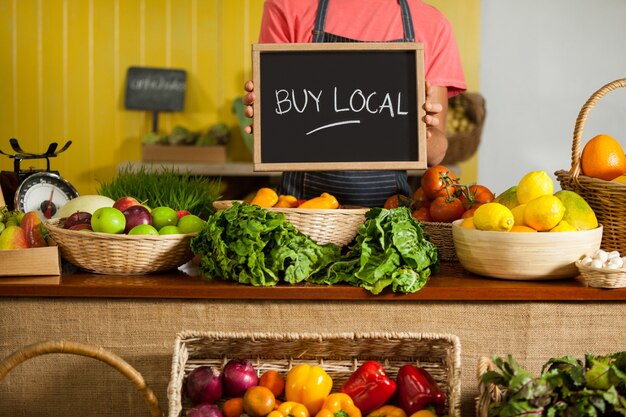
point(304, 21)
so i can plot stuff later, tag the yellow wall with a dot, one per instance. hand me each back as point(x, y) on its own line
point(63, 65)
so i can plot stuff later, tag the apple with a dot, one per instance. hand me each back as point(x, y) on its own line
point(144, 229)
point(182, 213)
point(79, 217)
point(163, 216)
point(125, 202)
point(169, 230)
point(136, 215)
point(108, 220)
point(190, 224)
point(80, 226)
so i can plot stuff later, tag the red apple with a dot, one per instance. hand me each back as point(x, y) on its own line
point(79, 217)
point(136, 215)
point(125, 202)
point(80, 226)
point(182, 213)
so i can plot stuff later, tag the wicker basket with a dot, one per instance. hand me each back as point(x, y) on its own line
point(112, 254)
point(339, 354)
point(338, 226)
point(53, 346)
point(440, 234)
point(606, 198)
point(602, 277)
point(461, 146)
point(487, 393)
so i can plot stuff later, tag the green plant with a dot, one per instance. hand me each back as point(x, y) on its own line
point(166, 186)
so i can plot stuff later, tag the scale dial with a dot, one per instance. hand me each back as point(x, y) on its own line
point(44, 193)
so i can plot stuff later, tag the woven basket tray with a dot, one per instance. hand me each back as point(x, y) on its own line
point(74, 348)
point(440, 234)
point(602, 277)
point(338, 226)
point(606, 198)
point(105, 253)
point(339, 354)
point(461, 146)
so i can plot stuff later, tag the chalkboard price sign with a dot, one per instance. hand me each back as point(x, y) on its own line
point(350, 106)
point(155, 89)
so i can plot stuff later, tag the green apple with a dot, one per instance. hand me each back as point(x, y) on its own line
point(143, 229)
point(108, 220)
point(190, 224)
point(169, 230)
point(163, 216)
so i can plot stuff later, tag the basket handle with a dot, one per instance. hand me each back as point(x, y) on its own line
point(60, 346)
point(582, 119)
point(486, 393)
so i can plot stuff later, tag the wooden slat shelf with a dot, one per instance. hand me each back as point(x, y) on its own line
point(451, 283)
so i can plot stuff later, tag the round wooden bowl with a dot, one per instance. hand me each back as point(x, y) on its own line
point(523, 256)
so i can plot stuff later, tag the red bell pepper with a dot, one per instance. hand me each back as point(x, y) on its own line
point(417, 390)
point(369, 387)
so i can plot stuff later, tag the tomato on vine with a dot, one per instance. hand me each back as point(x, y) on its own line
point(438, 180)
point(475, 195)
point(446, 209)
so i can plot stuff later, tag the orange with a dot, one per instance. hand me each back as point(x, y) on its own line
point(274, 381)
point(233, 407)
point(522, 229)
point(258, 401)
point(603, 157)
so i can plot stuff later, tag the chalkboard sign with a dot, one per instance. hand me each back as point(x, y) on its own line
point(339, 106)
point(155, 89)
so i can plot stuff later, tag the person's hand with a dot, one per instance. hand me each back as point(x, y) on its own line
point(436, 107)
point(433, 106)
point(248, 101)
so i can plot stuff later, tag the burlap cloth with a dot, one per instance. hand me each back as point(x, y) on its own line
point(143, 331)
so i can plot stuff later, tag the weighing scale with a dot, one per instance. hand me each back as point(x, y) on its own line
point(42, 191)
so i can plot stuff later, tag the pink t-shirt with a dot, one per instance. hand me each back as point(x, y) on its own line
point(292, 21)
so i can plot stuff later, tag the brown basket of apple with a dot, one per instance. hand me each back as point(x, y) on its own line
point(439, 200)
point(125, 238)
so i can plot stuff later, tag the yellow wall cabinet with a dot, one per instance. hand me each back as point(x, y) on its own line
point(63, 66)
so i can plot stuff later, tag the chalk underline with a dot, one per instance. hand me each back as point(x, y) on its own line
point(347, 122)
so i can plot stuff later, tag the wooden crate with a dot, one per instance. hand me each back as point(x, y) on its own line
point(30, 262)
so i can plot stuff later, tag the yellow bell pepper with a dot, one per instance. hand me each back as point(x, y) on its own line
point(286, 201)
point(265, 197)
point(290, 409)
point(339, 405)
point(324, 201)
point(308, 385)
point(387, 411)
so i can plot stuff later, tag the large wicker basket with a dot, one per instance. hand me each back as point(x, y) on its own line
point(338, 226)
point(339, 354)
point(606, 198)
point(112, 254)
point(80, 349)
point(462, 145)
point(440, 234)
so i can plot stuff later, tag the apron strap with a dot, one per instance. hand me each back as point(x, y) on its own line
point(320, 21)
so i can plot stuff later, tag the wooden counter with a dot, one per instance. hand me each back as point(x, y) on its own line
point(451, 283)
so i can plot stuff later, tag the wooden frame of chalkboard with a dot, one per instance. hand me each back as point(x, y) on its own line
point(339, 106)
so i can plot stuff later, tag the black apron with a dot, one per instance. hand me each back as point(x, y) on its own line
point(360, 188)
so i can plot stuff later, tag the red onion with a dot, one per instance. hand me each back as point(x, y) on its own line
point(238, 376)
point(204, 385)
point(204, 410)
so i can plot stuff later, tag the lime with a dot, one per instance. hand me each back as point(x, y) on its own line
point(543, 213)
point(144, 229)
point(190, 224)
point(494, 217)
point(169, 230)
point(163, 216)
point(533, 185)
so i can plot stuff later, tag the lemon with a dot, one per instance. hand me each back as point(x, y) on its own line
point(543, 213)
point(468, 223)
point(563, 226)
point(533, 185)
point(508, 198)
point(494, 217)
point(518, 214)
point(578, 213)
